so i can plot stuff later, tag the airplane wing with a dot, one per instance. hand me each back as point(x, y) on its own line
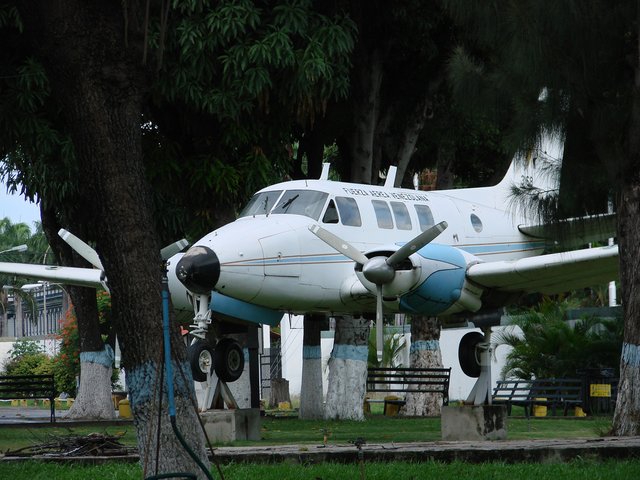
point(82, 277)
point(549, 274)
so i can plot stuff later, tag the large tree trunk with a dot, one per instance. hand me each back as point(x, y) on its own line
point(311, 393)
point(97, 77)
point(424, 353)
point(626, 420)
point(348, 370)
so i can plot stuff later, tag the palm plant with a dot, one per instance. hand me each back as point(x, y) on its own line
point(391, 349)
point(545, 345)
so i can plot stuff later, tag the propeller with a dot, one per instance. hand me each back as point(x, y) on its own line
point(379, 270)
point(82, 248)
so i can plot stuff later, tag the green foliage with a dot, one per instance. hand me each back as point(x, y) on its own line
point(67, 361)
point(391, 349)
point(24, 346)
point(549, 346)
point(27, 358)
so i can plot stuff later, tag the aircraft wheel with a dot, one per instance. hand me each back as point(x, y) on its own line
point(228, 360)
point(468, 355)
point(201, 357)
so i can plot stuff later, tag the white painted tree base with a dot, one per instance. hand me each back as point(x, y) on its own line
point(93, 400)
point(345, 396)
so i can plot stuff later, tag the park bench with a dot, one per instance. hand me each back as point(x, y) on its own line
point(554, 393)
point(28, 387)
point(407, 380)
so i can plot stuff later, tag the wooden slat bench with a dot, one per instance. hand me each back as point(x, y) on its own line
point(28, 387)
point(408, 380)
point(553, 393)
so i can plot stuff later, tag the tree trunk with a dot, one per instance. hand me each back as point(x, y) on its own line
point(93, 399)
point(311, 393)
point(424, 353)
point(365, 115)
point(348, 370)
point(445, 163)
point(626, 420)
point(98, 80)
point(279, 392)
point(413, 127)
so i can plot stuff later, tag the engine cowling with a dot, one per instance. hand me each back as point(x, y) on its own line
point(430, 282)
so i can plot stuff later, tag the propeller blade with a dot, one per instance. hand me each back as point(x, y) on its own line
point(170, 250)
point(339, 244)
point(84, 250)
point(417, 243)
point(379, 327)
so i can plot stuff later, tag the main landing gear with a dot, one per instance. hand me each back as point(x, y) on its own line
point(474, 354)
point(226, 359)
point(213, 364)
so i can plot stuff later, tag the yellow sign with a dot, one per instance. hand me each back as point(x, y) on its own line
point(600, 390)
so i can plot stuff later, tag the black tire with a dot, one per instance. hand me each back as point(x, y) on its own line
point(467, 354)
point(228, 360)
point(201, 359)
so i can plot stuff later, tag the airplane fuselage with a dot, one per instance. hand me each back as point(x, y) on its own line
point(268, 256)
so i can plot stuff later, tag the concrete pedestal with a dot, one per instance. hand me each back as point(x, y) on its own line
point(474, 422)
point(230, 425)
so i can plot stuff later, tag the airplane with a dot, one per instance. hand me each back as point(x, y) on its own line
point(338, 248)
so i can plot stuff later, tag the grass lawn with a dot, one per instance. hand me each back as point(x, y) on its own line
point(376, 429)
point(575, 470)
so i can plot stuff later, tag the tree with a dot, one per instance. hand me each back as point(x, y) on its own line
point(425, 353)
point(348, 370)
point(571, 68)
point(311, 391)
point(98, 82)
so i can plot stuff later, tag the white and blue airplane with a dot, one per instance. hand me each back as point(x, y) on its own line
point(322, 246)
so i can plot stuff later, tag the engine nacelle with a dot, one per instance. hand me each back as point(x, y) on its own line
point(443, 288)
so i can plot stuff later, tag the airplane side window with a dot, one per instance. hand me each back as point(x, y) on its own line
point(331, 215)
point(301, 202)
point(401, 214)
point(476, 223)
point(349, 212)
point(383, 214)
point(261, 203)
point(425, 217)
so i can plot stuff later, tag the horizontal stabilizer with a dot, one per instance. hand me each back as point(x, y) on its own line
point(575, 232)
point(549, 274)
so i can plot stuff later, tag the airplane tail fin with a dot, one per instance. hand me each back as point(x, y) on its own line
point(535, 173)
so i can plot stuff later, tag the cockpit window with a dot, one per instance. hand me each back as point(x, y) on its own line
point(301, 202)
point(331, 214)
point(261, 203)
point(349, 213)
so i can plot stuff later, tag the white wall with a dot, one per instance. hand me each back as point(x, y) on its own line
point(460, 386)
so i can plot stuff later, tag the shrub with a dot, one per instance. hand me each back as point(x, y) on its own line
point(27, 358)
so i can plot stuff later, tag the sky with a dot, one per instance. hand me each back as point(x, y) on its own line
point(17, 209)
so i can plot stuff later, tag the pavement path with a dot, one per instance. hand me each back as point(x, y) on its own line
point(473, 452)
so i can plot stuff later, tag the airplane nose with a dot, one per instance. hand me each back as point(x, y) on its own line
point(199, 269)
